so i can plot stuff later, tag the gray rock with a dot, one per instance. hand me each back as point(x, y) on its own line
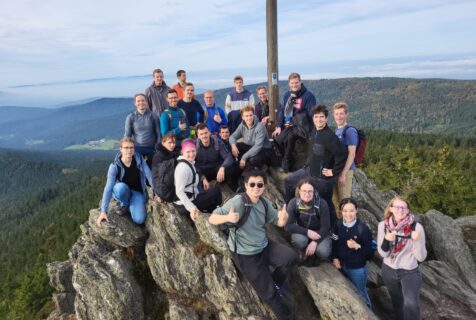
point(374, 276)
point(105, 286)
point(64, 302)
point(468, 226)
point(178, 311)
point(444, 295)
point(448, 244)
point(333, 294)
point(210, 234)
point(120, 230)
point(61, 274)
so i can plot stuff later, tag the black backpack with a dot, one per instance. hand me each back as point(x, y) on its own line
point(225, 227)
point(360, 231)
point(164, 179)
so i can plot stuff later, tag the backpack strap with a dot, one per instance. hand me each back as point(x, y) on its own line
point(193, 172)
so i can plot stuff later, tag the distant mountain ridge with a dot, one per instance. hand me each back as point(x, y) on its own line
point(402, 105)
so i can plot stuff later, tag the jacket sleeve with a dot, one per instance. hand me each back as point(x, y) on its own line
point(156, 120)
point(292, 226)
point(418, 246)
point(155, 171)
point(128, 130)
point(226, 156)
point(281, 111)
point(237, 134)
point(380, 237)
point(259, 140)
point(339, 152)
point(228, 103)
point(148, 176)
point(324, 221)
point(164, 123)
point(366, 242)
point(107, 193)
point(224, 119)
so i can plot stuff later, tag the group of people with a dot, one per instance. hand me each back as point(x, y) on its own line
point(178, 147)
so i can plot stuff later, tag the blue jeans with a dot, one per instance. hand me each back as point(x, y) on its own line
point(133, 199)
point(359, 279)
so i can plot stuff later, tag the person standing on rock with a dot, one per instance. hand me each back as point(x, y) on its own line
point(157, 93)
point(401, 243)
point(309, 222)
point(236, 100)
point(251, 251)
point(325, 160)
point(126, 181)
point(353, 247)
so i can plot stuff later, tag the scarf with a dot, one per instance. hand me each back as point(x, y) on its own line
point(288, 108)
point(403, 230)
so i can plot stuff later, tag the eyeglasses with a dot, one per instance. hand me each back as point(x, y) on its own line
point(400, 208)
point(127, 148)
point(254, 184)
point(306, 191)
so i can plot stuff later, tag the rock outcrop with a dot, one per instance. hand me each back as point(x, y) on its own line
point(182, 269)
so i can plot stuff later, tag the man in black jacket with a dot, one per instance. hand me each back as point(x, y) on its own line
point(325, 160)
point(213, 160)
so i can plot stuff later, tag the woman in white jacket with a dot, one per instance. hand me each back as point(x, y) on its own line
point(401, 243)
point(187, 180)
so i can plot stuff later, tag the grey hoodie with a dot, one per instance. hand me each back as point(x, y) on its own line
point(256, 137)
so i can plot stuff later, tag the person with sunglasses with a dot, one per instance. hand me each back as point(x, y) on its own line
point(401, 243)
point(309, 221)
point(126, 181)
point(251, 250)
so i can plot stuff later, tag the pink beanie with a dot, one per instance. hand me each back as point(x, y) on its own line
point(187, 144)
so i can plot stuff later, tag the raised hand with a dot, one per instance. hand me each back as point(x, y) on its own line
point(233, 216)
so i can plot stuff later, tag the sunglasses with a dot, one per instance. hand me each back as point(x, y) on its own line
point(254, 184)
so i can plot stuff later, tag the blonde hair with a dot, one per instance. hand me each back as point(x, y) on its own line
point(247, 109)
point(341, 105)
point(126, 140)
point(387, 213)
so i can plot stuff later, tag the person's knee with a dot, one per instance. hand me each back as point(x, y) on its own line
point(138, 214)
point(323, 250)
point(299, 241)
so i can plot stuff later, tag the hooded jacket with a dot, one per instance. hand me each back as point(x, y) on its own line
point(112, 174)
point(157, 97)
point(255, 136)
point(304, 102)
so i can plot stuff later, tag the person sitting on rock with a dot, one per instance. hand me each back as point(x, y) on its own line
point(126, 181)
point(255, 150)
point(251, 251)
point(353, 247)
point(224, 135)
point(186, 179)
point(213, 161)
point(163, 164)
point(309, 222)
point(401, 243)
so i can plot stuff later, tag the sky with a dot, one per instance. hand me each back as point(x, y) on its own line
point(54, 51)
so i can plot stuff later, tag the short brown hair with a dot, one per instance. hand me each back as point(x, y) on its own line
point(341, 105)
point(320, 109)
point(247, 109)
point(172, 91)
point(126, 140)
point(202, 126)
point(188, 84)
point(169, 136)
point(294, 75)
point(261, 87)
point(138, 95)
point(179, 73)
point(238, 77)
point(157, 71)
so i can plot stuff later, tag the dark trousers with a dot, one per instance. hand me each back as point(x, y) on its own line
point(286, 141)
point(325, 187)
point(208, 200)
point(234, 120)
point(262, 158)
point(404, 288)
point(232, 174)
point(255, 268)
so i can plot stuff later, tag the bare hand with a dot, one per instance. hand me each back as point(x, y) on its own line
point(311, 248)
point(265, 120)
point(242, 164)
point(234, 150)
point(416, 235)
point(194, 213)
point(276, 132)
point(221, 174)
point(390, 236)
point(283, 213)
point(157, 199)
point(352, 244)
point(217, 118)
point(327, 172)
point(232, 216)
point(313, 235)
point(183, 126)
point(102, 216)
point(336, 263)
point(342, 178)
point(206, 184)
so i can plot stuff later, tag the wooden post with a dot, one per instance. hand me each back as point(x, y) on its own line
point(272, 50)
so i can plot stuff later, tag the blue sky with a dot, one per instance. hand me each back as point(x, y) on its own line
point(47, 46)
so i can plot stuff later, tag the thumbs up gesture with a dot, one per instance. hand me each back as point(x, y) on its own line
point(233, 216)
